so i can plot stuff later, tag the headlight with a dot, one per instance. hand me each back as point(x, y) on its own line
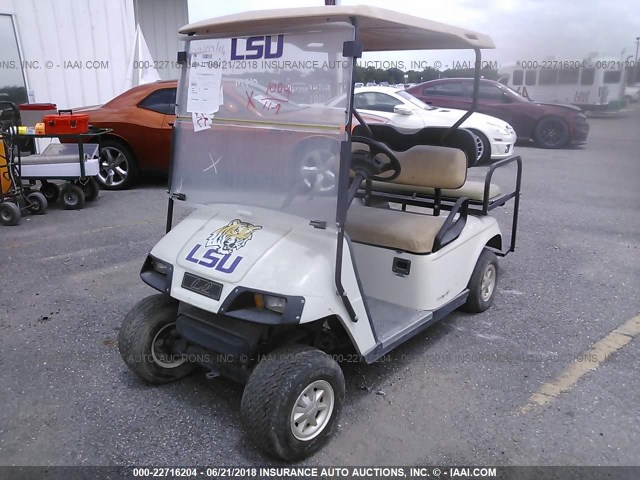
point(504, 129)
point(160, 266)
point(275, 304)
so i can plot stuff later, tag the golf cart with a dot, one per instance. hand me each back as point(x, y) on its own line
point(286, 261)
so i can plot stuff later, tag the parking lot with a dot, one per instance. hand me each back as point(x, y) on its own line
point(460, 393)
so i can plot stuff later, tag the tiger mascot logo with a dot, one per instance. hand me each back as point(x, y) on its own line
point(231, 237)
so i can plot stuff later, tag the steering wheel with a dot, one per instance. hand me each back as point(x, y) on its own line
point(369, 163)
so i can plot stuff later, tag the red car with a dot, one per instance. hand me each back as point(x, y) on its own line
point(549, 125)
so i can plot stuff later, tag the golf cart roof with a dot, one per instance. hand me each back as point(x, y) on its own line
point(380, 29)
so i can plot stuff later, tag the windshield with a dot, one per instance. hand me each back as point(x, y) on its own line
point(416, 101)
point(512, 92)
point(253, 127)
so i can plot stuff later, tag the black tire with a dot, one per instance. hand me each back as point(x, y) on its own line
point(118, 167)
point(479, 299)
point(152, 319)
point(51, 191)
point(9, 214)
point(91, 189)
point(485, 156)
point(37, 203)
point(272, 392)
point(72, 197)
point(551, 132)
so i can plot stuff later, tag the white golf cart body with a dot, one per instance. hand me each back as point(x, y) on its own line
point(259, 228)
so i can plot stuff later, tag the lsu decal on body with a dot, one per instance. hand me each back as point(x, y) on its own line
point(221, 244)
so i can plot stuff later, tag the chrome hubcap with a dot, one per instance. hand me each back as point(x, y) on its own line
point(479, 146)
point(488, 282)
point(114, 166)
point(318, 170)
point(160, 351)
point(312, 411)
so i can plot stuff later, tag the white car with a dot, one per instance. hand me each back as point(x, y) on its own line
point(495, 137)
point(632, 93)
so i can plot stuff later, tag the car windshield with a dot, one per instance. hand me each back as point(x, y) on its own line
point(512, 92)
point(253, 125)
point(415, 101)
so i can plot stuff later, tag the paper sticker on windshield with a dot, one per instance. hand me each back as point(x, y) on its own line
point(205, 75)
point(220, 246)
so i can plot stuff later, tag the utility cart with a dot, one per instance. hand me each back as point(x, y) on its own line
point(76, 162)
point(310, 236)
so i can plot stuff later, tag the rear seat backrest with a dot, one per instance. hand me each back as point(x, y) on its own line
point(430, 166)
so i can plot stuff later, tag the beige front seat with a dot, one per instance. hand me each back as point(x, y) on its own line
point(408, 231)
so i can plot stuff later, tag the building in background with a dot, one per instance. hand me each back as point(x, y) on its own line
point(85, 52)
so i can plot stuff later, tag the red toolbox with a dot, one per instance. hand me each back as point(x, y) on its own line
point(66, 122)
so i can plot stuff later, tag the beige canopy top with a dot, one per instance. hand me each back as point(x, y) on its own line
point(380, 29)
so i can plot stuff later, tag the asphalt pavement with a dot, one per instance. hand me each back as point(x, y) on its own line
point(455, 394)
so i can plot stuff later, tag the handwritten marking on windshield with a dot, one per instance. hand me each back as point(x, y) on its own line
point(213, 164)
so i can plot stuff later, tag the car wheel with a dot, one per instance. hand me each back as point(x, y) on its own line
point(627, 99)
point(145, 339)
point(292, 401)
point(317, 166)
point(483, 146)
point(552, 132)
point(118, 168)
point(483, 282)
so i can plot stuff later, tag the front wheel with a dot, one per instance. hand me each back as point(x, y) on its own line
point(483, 147)
point(146, 337)
point(90, 187)
point(552, 132)
point(482, 286)
point(72, 197)
point(118, 168)
point(9, 214)
point(37, 203)
point(292, 401)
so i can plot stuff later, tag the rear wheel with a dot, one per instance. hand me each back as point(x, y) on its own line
point(37, 203)
point(91, 189)
point(51, 191)
point(118, 168)
point(483, 282)
point(72, 197)
point(292, 400)
point(146, 338)
point(552, 132)
point(9, 214)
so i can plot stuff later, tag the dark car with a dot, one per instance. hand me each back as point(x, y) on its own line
point(549, 125)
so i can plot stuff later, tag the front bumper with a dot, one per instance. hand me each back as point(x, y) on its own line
point(502, 147)
point(579, 134)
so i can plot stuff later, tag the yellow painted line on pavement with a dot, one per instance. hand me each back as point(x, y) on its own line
point(589, 360)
